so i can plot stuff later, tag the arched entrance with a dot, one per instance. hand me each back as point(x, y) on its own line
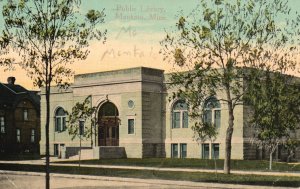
point(108, 125)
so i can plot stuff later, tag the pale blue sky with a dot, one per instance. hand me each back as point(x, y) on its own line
point(135, 28)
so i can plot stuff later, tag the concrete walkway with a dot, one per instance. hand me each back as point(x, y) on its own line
point(138, 182)
point(53, 160)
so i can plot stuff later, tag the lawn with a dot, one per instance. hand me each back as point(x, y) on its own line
point(254, 165)
point(17, 157)
point(169, 175)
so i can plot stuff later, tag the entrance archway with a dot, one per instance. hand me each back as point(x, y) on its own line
point(108, 125)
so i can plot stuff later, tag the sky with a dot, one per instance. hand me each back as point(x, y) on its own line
point(135, 28)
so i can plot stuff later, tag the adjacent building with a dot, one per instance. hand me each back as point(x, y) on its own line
point(135, 113)
point(19, 119)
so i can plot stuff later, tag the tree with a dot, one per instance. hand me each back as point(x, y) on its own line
point(218, 39)
point(291, 145)
point(81, 112)
point(275, 100)
point(5, 61)
point(48, 35)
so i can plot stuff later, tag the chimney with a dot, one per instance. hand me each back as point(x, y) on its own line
point(11, 80)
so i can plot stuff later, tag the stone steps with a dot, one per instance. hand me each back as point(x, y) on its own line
point(85, 154)
point(101, 152)
point(109, 152)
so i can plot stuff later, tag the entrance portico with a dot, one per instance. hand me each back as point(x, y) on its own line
point(128, 121)
point(108, 125)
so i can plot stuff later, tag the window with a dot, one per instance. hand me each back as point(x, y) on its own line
point(25, 114)
point(174, 150)
point(81, 127)
point(56, 150)
point(32, 136)
point(183, 150)
point(108, 109)
point(18, 131)
point(180, 115)
point(60, 120)
point(215, 151)
point(212, 112)
point(175, 153)
point(2, 124)
point(130, 126)
point(205, 151)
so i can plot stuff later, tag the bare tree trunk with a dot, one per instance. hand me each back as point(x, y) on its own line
point(47, 136)
point(271, 159)
point(79, 150)
point(215, 161)
point(229, 132)
point(227, 158)
point(290, 155)
point(95, 132)
point(91, 135)
point(215, 164)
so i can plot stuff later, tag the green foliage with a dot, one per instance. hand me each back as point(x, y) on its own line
point(275, 99)
point(205, 131)
point(219, 41)
point(81, 112)
point(48, 35)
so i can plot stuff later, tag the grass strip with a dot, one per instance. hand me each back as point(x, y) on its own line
point(284, 181)
point(254, 165)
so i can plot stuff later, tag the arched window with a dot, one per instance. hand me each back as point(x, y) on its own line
point(212, 112)
point(180, 114)
point(108, 109)
point(60, 120)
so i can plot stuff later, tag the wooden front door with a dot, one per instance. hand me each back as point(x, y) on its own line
point(108, 131)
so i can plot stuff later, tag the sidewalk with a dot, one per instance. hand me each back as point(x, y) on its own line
point(162, 183)
point(53, 160)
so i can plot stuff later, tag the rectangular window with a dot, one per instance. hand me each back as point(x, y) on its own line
point(63, 124)
point(215, 151)
point(217, 120)
point(183, 150)
point(2, 124)
point(207, 116)
point(58, 124)
point(185, 120)
point(174, 150)
point(205, 151)
point(56, 150)
point(18, 131)
point(176, 119)
point(130, 126)
point(32, 136)
point(25, 114)
point(81, 127)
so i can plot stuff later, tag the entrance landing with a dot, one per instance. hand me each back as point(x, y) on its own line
point(109, 152)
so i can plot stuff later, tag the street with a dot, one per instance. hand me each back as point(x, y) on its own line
point(12, 181)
